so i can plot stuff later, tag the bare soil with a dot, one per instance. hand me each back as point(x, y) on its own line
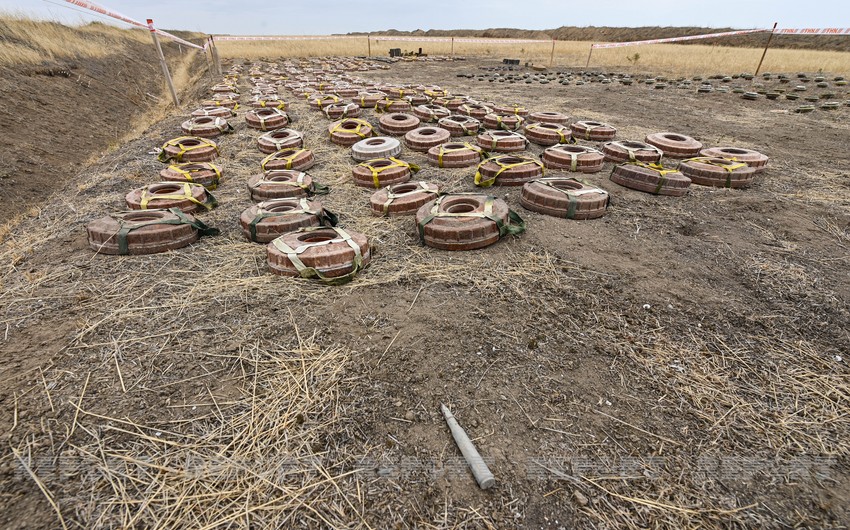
point(680, 362)
point(57, 114)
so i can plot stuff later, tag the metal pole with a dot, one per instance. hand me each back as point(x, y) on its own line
point(453, 47)
point(164, 64)
point(766, 46)
point(369, 44)
point(588, 56)
point(552, 55)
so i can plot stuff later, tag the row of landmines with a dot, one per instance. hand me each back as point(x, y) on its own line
point(303, 238)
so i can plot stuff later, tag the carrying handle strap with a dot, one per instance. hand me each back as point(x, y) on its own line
point(357, 130)
point(632, 150)
point(207, 204)
point(326, 217)
point(264, 103)
point(395, 163)
point(288, 159)
point(658, 168)
point(730, 168)
point(421, 187)
point(562, 138)
point(311, 272)
point(588, 128)
point(345, 110)
point(125, 227)
point(387, 103)
point(443, 150)
point(320, 102)
point(574, 156)
point(502, 168)
point(187, 173)
point(514, 226)
point(278, 143)
point(573, 195)
point(179, 142)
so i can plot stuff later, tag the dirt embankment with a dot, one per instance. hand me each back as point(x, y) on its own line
point(606, 34)
point(58, 112)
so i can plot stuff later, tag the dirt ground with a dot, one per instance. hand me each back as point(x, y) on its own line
point(58, 114)
point(680, 362)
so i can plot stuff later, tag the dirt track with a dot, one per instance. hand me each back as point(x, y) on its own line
point(649, 360)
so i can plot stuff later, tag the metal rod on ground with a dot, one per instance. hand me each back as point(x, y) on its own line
point(164, 64)
point(369, 45)
point(479, 469)
point(552, 55)
point(766, 46)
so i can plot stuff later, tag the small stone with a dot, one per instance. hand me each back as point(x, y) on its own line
point(580, 498)
point(397, 403)
point(409, 416)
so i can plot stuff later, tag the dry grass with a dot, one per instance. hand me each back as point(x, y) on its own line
point(251, 462)
point(26, 41)
point(662, 58)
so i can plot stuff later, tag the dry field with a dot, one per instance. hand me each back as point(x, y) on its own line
point(25, 41)
point(658, 58)
point(678, 363)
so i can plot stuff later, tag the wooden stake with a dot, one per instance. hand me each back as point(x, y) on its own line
point(453, 47)
point(369, 44)
point(552, 55)
point(588, 56)
point(766, 46)
point(209, 59)
point(164, 66)
point(216, 59)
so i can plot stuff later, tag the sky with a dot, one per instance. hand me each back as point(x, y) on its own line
point(298, 17)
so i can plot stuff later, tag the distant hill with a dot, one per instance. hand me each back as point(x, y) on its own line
point(606, 34)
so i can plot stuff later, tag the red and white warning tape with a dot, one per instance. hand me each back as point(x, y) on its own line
point(786, 31)
point(813, 31)
point(460, 39)
point(376, 38)
point(281, 37)
point(678, 39)
point(118, 16)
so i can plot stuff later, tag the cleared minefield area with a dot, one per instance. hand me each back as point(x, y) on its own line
point(679, 362)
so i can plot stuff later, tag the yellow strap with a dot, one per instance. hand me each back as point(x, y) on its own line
point(658, 168)
point(502, 168)
point(319, 101)
point(178, 142)
point(288, 159)
point(377, 170)
point(728, 167)
point(299, 182)
point(465, 146)
point(360, 125)
point(588, 128)
point(187, 173)
point(187, 194)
